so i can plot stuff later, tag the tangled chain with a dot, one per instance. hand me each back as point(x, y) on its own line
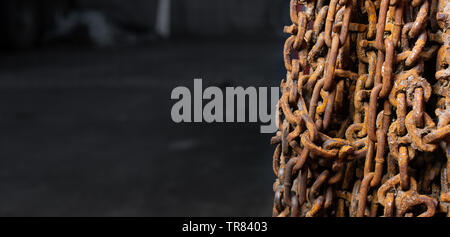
point(364, 114)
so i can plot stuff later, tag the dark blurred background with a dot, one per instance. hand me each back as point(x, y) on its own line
point(85, 106)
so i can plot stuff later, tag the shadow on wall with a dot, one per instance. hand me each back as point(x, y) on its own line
point(28, 23)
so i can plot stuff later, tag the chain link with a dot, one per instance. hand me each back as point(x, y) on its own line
point(357, 134)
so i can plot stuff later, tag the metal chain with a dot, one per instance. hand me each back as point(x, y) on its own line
point(357, 134)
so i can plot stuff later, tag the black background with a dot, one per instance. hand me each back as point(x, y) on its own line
point(85, 125)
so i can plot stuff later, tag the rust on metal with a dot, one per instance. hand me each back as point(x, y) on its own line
point(364, 117)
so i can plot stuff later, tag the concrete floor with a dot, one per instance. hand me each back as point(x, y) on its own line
point(88, 132)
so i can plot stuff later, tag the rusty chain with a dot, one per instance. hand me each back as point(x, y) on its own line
point(364, 113)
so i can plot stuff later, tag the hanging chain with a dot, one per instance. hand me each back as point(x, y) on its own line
point(364, 113)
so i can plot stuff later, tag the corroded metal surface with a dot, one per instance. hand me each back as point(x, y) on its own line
point(365, 110)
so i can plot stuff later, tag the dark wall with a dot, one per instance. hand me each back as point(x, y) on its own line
point(26, 23)
point(133, 13)
point(198, 17)
point(224, 17)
